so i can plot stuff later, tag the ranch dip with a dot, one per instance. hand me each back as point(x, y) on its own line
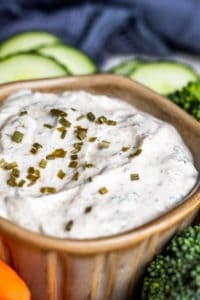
point(84, 166)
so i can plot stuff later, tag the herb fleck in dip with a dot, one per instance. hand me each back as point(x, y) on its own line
point(83, 166)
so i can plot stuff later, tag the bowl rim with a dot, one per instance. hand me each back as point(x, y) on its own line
point(117, 241)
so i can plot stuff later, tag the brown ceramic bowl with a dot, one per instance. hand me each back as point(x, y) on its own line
point(104, 268)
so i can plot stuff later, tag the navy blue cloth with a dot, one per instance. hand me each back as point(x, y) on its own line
point(104, 28)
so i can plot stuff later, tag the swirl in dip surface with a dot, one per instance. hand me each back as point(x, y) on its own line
point(82, 166)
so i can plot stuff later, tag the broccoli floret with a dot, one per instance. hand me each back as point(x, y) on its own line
point(188, 98)
point(175, 274)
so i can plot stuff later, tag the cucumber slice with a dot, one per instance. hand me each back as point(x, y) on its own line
point(76, 61)
point(27, 41)
point(127, 67)
point(29, 66)
point(164, 77)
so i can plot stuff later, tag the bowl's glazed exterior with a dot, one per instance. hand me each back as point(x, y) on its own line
point(107, 268)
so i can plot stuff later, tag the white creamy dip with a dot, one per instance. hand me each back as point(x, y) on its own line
point(108, 175)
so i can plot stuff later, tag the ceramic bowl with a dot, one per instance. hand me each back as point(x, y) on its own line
point(103, 268)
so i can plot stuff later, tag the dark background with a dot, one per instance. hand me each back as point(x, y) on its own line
point(105, 28)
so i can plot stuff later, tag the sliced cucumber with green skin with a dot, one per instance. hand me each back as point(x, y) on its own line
point(164, 77)
point(127, 67)
point(27, 41)
point(29, 66)
point(76, 61)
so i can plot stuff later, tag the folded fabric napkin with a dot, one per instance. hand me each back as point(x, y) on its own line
point(105, 28)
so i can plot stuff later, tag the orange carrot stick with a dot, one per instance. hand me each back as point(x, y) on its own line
point(12, 287)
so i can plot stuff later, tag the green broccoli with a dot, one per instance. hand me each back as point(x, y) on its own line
point(175, 274)
point(188, 98)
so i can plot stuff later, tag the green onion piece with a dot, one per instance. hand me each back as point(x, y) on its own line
point(88, 209)
point(92, 139)
point(43, 163)
point(81, 133)
point(125, 149)
point(76, 176)
point(73, 164)
point(103, 190)
point(22, 113)
point(37, 145)
point(61, 174)
point(111, 123)
point(50, 157)
point(15, 172)
point(48, 190)
point(88, 165)
point(17, 137)
point(136, 153)
point(58, 153)
point(134, 176)
point(77, 147)
point(73, 109)
point(11, 181)
point(57, 112)
point(21, 183)
point(80, 117)
point(69, 225)
point(90, 179)
point(48, 126)
point(104, 144)
point(101, 120)
point(74, 157)
point(91, 116)
point(31, 170)
point(9, 166)
point(64, 122)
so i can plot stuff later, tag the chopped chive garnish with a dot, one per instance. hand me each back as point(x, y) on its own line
point(74, 157)
point(31, 170)
point(81, 133)
point(104, 144)
point(63, 134)
point(73, 164)
point(77, 147)
point(64, 122)
point(69, 225)
point(22, 113)
point(92, 139)
point(90, 179)
point(134, 176)
point(101, 120)
point(21, 183)
point(61, 174)
point(50, 157)
point(76, 176)
point(88, 165)
point(125, 149)
point(9, 166)
point(87, 209)
point(15, 172)
point(91, 116)
point(48, 126)
point(17, 137)
point(43, 163)
point(136, 153)
point(103, 190)
point(73, 109)
point(11, 182)
point(80, 117)
point(111, 122)
point(35, 148)
point(58, 153)
point(48, 190)
point(57, 112)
